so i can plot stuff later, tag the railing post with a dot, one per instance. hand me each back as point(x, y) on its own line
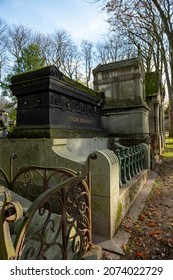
point(141, 157)
point(92, 156)
point(132, 162)
point(10, 212)
point(127, 154)
point(123, 166)
point(120, 167)
point(12, 158)
point(135, 160)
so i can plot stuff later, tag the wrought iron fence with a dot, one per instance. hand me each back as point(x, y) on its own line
point(30, 181)
point(57, 225)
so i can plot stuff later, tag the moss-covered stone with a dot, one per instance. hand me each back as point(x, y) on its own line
point(152, 82)
point(119, 212)
point(39, 73)
point(54, 133)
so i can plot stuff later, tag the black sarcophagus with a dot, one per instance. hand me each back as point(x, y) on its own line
point(52, 105)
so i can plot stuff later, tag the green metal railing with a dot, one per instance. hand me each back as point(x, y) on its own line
point(130, 160)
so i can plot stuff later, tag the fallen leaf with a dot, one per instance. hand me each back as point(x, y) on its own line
point(139, 254)
point(124, 248)
point(155, 232)
point(152, 224)
point(141, 218)
point(152, 209)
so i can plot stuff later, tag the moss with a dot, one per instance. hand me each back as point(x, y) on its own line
point(152, 82)
point(53, 133)
point(168, 151)
point(23, 76)
point(81, 86)
point(119, 212)
point(35, 74)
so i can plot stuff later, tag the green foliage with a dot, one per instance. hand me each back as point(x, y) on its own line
point(6, 92)
point(152, 82)
point(30, 59)
point(168, 151)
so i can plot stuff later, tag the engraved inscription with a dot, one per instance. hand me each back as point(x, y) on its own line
point(80, 120)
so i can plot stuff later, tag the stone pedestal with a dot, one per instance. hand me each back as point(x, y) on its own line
point(105, 192)
point(125, 121)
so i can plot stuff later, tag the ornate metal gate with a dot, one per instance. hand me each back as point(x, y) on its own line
point(57, 224)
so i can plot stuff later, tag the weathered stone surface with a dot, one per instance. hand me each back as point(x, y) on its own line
point(125, 112)
point(120, 80)
point(111, 245)
point(49, 104)
point(94, 254)
point(105, 191)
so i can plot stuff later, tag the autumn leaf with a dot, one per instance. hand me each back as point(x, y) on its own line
point(152, 209)
point(139, 254)
point(155, 232)
point(141, 218)
point(124, 247)
point(151, 224)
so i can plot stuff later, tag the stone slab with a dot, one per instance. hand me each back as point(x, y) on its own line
point(94, 254)
point(111, 245)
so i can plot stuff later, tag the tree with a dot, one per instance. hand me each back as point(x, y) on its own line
point(114, 47)
point(148, 23)
point(87, 55)
point(19, 37)
point(60, 43)
point(3, 34)
point(23, 55)
point(165, 9)
point(59, 49)
point(71, 61)
point(31, 58)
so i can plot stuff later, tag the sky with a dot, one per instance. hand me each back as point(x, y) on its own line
point(78, 17)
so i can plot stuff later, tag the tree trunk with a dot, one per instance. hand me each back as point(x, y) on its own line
point(170, 116)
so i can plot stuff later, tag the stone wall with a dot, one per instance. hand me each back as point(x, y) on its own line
point(71, 153)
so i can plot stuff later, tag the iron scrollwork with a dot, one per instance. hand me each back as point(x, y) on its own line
point(57, 224)
point(57, 233)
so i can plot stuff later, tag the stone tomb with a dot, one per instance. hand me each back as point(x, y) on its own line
point(155, 94)
point(52, 105)
point(125, 114)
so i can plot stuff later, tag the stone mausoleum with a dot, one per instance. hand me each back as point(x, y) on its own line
point(134, 104)
point(126, 113)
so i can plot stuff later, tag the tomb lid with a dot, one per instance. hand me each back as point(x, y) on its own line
point(38, 73)
point(52, 71)
point(118, 64)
